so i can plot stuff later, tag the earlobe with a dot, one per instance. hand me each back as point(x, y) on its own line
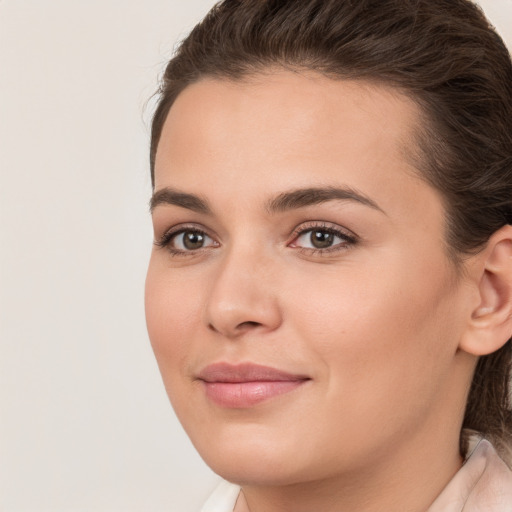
point(490, 324)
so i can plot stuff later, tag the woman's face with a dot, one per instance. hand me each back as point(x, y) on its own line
point(299, 299)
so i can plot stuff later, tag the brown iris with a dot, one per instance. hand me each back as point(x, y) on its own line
point(193, 240)
point(321, 239)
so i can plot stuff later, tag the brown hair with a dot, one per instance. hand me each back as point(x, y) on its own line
point(441, 53)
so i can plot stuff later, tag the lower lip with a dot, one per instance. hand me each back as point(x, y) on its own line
point(238, 395)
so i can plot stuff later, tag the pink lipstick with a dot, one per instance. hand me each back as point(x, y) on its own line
point(244, 385)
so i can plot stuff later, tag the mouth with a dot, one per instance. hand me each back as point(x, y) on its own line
point(245, 385)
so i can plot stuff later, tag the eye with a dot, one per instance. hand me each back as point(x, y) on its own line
point(186, 240)
point(322, 238)
point(317, 239)
point(190, 240)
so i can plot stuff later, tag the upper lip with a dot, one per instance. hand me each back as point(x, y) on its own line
point(245, 372)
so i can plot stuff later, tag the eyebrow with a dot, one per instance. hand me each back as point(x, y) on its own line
point(291, 200)
point(189, 201)
point(301, 198)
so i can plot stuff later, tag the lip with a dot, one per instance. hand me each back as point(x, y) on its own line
point(247, 384)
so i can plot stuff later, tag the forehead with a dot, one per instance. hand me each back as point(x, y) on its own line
point(283, 129)
point(239, 144)
point(295, 114)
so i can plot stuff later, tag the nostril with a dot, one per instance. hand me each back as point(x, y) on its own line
point(248, 325)
point(238, 329)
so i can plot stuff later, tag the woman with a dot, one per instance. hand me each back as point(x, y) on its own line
point(329, 297)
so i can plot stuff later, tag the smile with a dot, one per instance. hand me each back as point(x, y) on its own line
point(245, 385)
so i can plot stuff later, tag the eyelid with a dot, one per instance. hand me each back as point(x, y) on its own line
point(349, 237)
point(164, 241)
point(326, 225)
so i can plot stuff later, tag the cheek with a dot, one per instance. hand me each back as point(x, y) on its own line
point(379, 341)
point(374, 331)
point(172, 313)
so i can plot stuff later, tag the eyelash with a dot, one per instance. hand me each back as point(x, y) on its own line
point(349, 239)
point(166, 239)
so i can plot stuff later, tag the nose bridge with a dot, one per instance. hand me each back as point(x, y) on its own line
point(242, 296)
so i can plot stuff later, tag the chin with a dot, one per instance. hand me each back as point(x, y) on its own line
point(257, 471)
point(254, 456)
point(249, 458)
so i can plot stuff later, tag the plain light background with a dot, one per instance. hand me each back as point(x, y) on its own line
point(85, 424)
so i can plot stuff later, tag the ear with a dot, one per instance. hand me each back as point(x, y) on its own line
point(490, 324)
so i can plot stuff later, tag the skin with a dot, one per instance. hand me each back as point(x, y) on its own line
point(377, 323)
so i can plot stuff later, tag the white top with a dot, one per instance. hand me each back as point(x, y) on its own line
point(483, 484)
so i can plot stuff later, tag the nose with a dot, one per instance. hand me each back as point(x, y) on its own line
point(243, 296)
